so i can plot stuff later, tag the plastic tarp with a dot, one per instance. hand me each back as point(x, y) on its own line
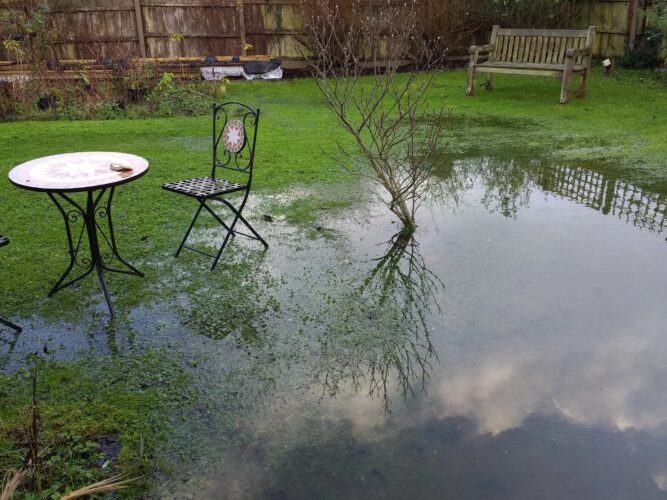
point(250, 70)
point(218, 72)
point(275, 74)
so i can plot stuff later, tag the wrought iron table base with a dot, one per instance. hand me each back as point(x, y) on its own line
point(94, 208)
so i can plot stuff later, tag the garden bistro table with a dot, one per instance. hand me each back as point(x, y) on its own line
point(60, 177)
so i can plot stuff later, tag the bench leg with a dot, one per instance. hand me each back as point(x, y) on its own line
point(489, 82)
point(582, 84)
point(471, 80)
point(567, 77)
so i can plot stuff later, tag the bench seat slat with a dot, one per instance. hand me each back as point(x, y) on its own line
point(534, 66)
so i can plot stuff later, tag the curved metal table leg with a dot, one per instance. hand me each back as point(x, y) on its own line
point(96, 262)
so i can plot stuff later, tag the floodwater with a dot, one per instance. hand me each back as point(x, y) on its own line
point(515, 347)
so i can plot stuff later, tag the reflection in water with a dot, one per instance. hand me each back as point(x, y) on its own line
point(508, 184)
point(381, 334)
point(545, 376)
point(607, 194)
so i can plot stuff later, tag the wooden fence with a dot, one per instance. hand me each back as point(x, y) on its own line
point(90, 29)
point(174, 28)
point(617, 22)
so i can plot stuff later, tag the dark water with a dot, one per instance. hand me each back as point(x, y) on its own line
point(515, 348)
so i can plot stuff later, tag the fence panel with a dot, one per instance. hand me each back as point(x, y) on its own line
point(90, 29)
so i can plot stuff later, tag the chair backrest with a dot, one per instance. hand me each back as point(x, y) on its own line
point(234, 135)
point(538, 46)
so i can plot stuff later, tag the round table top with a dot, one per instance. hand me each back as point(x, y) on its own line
point(77, 171)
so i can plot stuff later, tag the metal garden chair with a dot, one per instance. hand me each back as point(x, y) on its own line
point(234, 135)
point(3, 242)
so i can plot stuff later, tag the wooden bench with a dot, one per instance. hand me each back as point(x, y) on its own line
point(557, 53)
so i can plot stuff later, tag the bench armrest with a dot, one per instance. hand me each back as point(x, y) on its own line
point(481, 49)
point(476, 50)
point(578, 52)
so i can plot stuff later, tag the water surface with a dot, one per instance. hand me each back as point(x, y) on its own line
point(514, 348)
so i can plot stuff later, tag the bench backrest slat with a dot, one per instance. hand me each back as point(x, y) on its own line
point(538, 46)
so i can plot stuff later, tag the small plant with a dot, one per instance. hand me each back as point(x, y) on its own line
point(25, 30)
point(169, 98)
point(40, 459)
point(26, 38)
point(176, 37)
point(133, 82)
point(63, 425)
point(646, 52)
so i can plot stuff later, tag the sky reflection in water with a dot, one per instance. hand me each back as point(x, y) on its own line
point(514, 349)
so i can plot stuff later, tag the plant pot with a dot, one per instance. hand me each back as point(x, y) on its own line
point(46, 102)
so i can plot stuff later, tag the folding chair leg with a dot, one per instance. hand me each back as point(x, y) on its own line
point(192, 224)
point(252, 230)
point(217, 217)
point(11, 325)
point(247, 224)
point(229, 228)
point(230, 232)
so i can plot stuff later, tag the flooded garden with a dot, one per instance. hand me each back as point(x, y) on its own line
point(399, 280)
point(514, 340)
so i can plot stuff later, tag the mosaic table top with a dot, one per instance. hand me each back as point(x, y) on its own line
point(78, 171)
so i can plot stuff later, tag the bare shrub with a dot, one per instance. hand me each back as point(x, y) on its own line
point(368, 59)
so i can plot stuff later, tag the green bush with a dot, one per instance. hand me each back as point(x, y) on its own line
point(168, 98)
point(645, 53)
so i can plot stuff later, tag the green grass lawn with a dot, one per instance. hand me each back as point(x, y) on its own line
point(622, 124)
point(621, 128)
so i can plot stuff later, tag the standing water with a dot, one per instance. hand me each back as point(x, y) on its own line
point(514, 347)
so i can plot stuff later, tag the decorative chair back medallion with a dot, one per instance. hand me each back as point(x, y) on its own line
point(233, 135)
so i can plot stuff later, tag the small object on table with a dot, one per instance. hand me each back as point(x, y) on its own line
point(60, 177)
point(119, 167)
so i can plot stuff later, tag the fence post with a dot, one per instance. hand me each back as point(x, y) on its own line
point(632, 22)
point(140, 28)
point(241, 10)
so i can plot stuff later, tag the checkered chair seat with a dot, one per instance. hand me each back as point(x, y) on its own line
point(204, 187)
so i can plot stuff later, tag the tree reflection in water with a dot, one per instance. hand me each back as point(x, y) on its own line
point(508, 184)
point(380, 336)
